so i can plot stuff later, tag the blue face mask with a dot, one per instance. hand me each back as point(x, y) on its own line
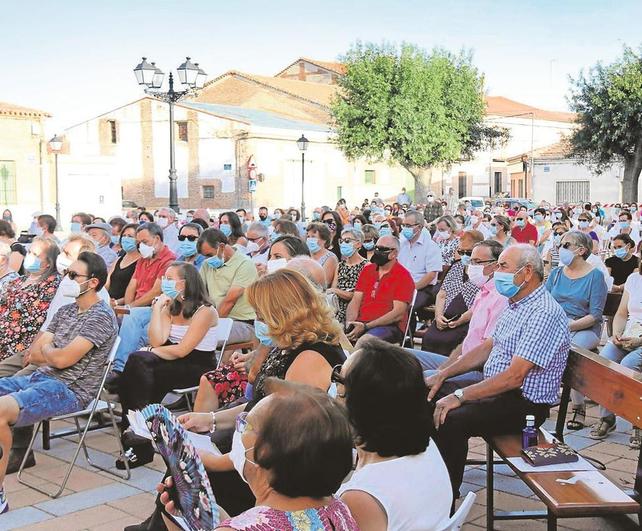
point(168, 287)
point(407, 233)
point(274, 236)
point(313, 245)
point(114, 239)
point(215, 261)
point(583, 224)
point(347, 249)
point(262, 333)
point(187, 248)
point(385, 231)
point(566, 256)
point(128, 244)
point(368, 246)
point(539, 217)
point(377, 225)
point(621, 252)
point(465, 259)
point(316, 216)
point(505, 285)
point(625, 224)
point(75, 227)
point(32, 263)
point(493, 229)
point(520, 223)
point(357, 225)
point(225, 229)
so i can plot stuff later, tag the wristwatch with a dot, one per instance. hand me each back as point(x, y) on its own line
point(459, 393)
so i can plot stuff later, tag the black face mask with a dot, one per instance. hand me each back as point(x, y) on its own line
point(262, 217)
point(379, 258)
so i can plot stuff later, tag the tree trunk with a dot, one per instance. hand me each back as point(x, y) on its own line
point(632, 168)
point(423, 181)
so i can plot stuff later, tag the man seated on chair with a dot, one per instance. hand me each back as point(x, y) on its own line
point(382, 296)
point(523, 362)
point(71, 356)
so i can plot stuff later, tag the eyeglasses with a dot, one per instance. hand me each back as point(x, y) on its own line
point(330, 223)
point(482, 262)
point(368, 241)
point(408, 225)
point(183, 237)
point(347, 240)
point(336, 377)
point(255, 239)
point(566, 245)
point(73, 275)
point(462, 252)
point(381, 249)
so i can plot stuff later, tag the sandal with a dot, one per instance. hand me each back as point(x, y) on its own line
point(577, 422)
point(635, 442)
point(602, 429)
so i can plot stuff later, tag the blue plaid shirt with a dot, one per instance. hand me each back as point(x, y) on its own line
point(535, 329)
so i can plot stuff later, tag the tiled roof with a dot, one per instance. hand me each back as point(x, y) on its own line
point(500, 106)
point(16, 110)
point(559, 150)
point(333, 66)
point(253, 116)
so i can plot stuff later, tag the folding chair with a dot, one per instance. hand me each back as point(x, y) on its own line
point(412, 305)
point(96, 406)
point(223, 330)
point(458, 519)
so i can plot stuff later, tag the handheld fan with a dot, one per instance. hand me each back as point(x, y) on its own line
point(192, 493)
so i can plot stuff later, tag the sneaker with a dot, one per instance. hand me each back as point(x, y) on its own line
point(602, 429)
point(4, 504)
point(635, 442)
point(15, 459)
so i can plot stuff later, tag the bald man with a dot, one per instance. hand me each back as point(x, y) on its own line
point(310, 269)
point(382, 296)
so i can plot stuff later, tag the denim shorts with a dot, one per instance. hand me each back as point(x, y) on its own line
point(39, 396)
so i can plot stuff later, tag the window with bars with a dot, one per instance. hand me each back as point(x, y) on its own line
point(208, 192)
point(8, 182)
point(113, 131)
point(498, 181)
point(183, 135)
point(573, 191)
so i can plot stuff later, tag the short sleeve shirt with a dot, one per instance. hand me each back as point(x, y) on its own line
point(525, 235)
point(148, 270)
point(97, 325)
point(238, 271)
point(421, 257)
point(379, 294)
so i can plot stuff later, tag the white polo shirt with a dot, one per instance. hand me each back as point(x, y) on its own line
point(421, 257)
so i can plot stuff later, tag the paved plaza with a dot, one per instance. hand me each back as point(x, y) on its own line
point(97, 501)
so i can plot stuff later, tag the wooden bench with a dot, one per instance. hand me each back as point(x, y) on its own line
point(615, 387)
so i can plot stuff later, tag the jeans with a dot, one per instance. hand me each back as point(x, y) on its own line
point(589, 340)
point(630, 360)
point(430, 362)
point(39, 396)
point(133, 335)
point(389, 333)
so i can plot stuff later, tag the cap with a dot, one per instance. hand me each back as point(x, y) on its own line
point(104, 226)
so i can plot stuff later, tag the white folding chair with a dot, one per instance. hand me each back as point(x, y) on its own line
point(96, 406)
point(223, 330)
point(410, 310)
point(458, 519)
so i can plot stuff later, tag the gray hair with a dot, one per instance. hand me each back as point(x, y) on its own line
point(259, 228)
point(168, 211)
point(393, 240)
point(528, 255)
point(354, 232)
point(310, 269)
point(194, 226)
point(416, 215)
point(370, 230)
point(493, 246)
point(153, 228)
point(580, 239)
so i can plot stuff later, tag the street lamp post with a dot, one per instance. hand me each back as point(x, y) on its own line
point(190, 75)
point(302, 144)
point(55, 144)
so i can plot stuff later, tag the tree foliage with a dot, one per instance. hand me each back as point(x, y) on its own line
point(411, 107)
point(608, 101)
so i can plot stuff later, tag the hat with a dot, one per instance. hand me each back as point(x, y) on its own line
point(104, 226)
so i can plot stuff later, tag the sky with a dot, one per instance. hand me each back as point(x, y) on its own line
point(74, 59)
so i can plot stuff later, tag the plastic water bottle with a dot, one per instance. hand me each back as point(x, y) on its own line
point(529, 433)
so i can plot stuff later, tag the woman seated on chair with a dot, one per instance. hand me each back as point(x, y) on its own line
point(182, 345)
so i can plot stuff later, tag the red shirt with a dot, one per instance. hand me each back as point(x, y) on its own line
point(148, 270)
point(525, 235)
point(379, 294)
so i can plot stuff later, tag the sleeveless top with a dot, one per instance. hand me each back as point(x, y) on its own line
point(279, 361)
point(324, 258)
point(120, 278)
point(347, 280)
point(208, 343)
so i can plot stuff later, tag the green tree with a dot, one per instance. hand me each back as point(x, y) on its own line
point(411, 107)
point(608, 101)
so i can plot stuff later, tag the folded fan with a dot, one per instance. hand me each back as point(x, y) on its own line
point(192, 494)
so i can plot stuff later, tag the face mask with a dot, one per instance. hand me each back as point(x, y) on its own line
point(566, 256)
point(32, 263)
point(128, 243)
point(316, 216)
point(262, 333)
point(493, 229)
point(442, 234)
point(505, 285)
point(63, 263)
point(520, 223)
point(313, 245)
point(474, 220)
point(347, 249)
point(557, 239)
point(274, 236)
point(368, 246)
point(386, 213)
point(187, 248)
point(70, 288)
point(188, 219)
point(357, 225)
point(377, 225)
point(162, 222)
point(476, 275)
point(539, 217)
point(168, 287)
point(583, 224)
point(332, 390)
point(407, 233)
point(558, 215)
point(226, 229)
point(215, 261)
point(379, 258)
point(385, 231)
point(262, 217)
point(237, 454)
point(38, 231)
point(430, 199)
point(75, 227)
point(465, 259)
point(146, 251)
point(578, 211)
point(275, 264)
point(625, 224)
point(293, 218)
point(621, 252)
point(114, 239)
point(252, 247)
point(6, 218)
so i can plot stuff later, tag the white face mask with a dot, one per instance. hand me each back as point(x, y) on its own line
point(252, 247)
point(146, 251)
point(70, 288)
point(237, 454)
point(63, 263)
point(162, 222)
point(275, 264)
point(474, 220)
point(476, 275)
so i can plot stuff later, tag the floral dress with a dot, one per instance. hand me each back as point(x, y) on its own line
point(347, 280)
point(23, 310)
point(448, 248)
point(335, 515)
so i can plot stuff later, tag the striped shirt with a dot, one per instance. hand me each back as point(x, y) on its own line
point(534, 328)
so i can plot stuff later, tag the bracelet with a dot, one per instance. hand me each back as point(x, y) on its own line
point(365, 327)
point(213, 428)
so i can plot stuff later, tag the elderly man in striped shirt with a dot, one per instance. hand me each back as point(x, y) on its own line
point(523, 363)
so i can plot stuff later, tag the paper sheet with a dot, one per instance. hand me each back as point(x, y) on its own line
point(523, 466)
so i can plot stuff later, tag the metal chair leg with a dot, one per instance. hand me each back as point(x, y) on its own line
point(490, 470)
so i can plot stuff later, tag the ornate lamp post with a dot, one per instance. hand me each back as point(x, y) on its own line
point(55, 145)
point(190, 75)
point(302, 144)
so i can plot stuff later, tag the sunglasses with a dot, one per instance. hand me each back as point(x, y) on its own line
point(183, 237)
point(368, 241)
point(385, 250)
point(330, 222)
point(73, 275)
point(462, 252)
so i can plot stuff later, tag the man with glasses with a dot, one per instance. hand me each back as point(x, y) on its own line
point(382, 295)
point(258, 243)
point(523, 362)
point(523, 230)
